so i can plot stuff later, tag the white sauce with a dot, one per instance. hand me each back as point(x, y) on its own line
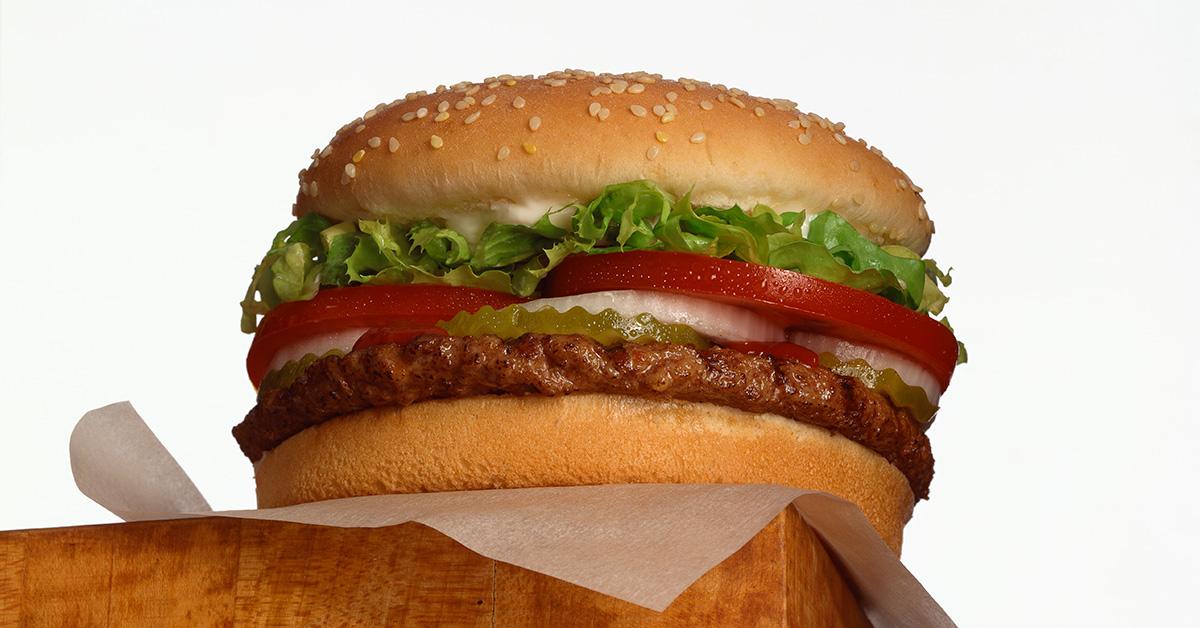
point(522, 212)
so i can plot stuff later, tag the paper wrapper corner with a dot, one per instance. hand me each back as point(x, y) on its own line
point(642, 543)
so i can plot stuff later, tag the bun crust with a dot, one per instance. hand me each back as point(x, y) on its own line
point(510, 442)
point(511, 148)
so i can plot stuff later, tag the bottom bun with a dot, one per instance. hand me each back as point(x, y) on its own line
point(511, 442)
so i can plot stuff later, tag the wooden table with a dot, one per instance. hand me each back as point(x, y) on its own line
point(218, 571)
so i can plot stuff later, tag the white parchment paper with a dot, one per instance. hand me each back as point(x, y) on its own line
point(642, 543)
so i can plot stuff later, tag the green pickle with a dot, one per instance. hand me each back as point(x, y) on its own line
point(606, 327)
point(283, 376)
point(887, 382)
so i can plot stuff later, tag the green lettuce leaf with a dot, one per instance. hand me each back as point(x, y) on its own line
point(288, 271)
point(637, 215)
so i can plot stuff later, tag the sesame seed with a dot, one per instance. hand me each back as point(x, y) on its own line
point(358, 156)
point(857, 198)
point(691, 87)
point(370, 114)
point(594, 109)
point(793, 124)
point(510, 82)
point(393, 144)
point(312, 189)
point(502, 154)
point(638, 110)
point(805, 122)
point(535, 123)
point(443, 106)
point(737, 101)
point(374, 142)
point(841, 139)
point(659, 110)
point(422, 112)
point(920, 208)
point(493, 85)
point(489, 99)
point(671, 96)
point(667, 118)
point(696, 138)
point(556, 82)
point(660, 136)
point(460, 105)
point(758, 111)
point(636, 88)
point(473, 90)
point(518, 102)
point(529, 148)
point(603, 114)
point(327, 151)
point(619, 86)
point(436, 141)
point(408, 117)
point(706, 105)
point(359, 128)
point(901, 183)
point(652, 152)
point(916, 188)
point(839, 127)
point(804, 138)
point(350, 170)
point(596, 91)
point(645, 79)
point(854, 165)
point(442, 117)
point(471, 118)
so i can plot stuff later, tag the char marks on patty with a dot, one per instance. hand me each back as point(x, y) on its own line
point(441, 367)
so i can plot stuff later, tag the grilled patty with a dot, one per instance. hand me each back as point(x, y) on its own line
point(443, 367)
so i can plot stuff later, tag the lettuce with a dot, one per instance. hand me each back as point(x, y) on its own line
point(313, 252)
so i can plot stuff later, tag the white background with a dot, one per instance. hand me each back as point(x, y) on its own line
point(148, 153)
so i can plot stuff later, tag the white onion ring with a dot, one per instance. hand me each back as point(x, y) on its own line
point(718, 321)
point(319, 344)
point(878, 357)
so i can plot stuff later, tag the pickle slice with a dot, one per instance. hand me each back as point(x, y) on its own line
point(887, 382)
point(606, 327)
point(283, 376)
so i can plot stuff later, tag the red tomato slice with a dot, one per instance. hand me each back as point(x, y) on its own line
point(336, 309)
point(785, 350)
point(395, 335)
point(795, 300)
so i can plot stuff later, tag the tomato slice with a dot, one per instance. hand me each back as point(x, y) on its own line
point(336, 309)
point(795, 300)
point(785, 350)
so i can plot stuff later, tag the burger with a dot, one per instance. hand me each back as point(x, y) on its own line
point(581, 278)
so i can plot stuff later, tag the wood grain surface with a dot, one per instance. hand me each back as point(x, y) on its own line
point(225, 572)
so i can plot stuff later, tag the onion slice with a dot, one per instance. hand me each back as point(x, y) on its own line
point(719, 321)
point(319, 344)
point(878, 357)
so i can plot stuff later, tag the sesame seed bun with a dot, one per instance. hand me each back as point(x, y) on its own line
point(508, 442)
point(508, 148)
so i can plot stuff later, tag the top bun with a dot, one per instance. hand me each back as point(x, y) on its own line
point(509, 148)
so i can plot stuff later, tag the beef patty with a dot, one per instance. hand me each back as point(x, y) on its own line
point(442, 367)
